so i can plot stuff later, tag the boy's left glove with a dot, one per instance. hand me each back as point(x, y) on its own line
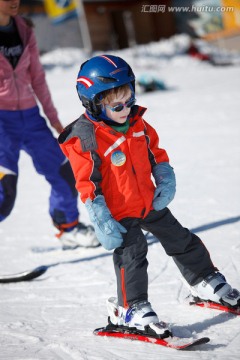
point(107, 229)
point(166, 185)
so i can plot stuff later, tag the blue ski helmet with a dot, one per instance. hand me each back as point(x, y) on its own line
point(101, 73)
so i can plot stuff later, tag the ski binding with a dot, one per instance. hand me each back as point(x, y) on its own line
point(213, 305)
point(166, 339)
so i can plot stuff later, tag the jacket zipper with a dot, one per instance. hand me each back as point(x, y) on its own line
point(17, 88)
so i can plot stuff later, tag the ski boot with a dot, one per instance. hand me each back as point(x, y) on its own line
point(80, 235)
point(139, 318)
point(215, 288)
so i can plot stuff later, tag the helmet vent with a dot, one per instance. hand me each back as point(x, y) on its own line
point(130, 72)
point(106, 80)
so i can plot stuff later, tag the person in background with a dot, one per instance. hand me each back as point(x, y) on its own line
point(115, 156)
point(22, 81)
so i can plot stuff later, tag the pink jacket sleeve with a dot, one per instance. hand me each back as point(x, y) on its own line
point(39, 83)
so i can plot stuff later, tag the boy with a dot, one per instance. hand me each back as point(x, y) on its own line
point(113, 153)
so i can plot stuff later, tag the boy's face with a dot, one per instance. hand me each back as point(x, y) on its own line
point(121, 98)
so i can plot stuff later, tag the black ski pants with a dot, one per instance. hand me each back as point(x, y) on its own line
point(130, 260)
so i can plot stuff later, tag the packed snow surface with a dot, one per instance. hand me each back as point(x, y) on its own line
point(197, 119)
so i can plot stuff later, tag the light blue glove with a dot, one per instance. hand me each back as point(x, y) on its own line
point(108, 230)
point(166, 185)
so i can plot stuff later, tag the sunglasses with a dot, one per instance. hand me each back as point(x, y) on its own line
point(120, 107)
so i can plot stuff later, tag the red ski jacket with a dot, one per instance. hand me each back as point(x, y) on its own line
point(116, 165)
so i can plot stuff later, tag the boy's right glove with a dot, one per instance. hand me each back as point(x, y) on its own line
point(166, 185)
point(107, 229)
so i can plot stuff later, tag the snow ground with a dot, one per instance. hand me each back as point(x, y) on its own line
point(53, 317)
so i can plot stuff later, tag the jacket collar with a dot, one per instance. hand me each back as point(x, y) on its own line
point(22, 29)
point(137, 111)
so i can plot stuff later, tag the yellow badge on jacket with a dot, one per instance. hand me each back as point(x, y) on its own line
point(118, 158)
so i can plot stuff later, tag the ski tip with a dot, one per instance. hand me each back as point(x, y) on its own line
point(206, 339)
point(201, 341)
point(24, 276)
point(41, 269)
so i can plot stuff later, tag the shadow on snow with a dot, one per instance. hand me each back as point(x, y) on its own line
point(151, 240)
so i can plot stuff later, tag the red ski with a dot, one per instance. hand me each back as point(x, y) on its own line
point(171, 342)
point(216, 306)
